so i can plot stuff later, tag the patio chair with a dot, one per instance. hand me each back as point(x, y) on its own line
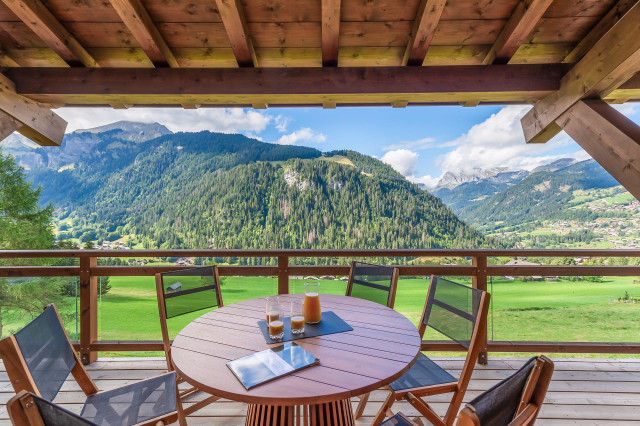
point(181, 292)
point(375, 283)
point(458, 312)
point(516, 400)
point(38, 360)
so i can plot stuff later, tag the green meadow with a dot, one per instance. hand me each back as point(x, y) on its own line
point(536, 311)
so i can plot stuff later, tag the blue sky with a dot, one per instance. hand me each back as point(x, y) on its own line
point(420, 142)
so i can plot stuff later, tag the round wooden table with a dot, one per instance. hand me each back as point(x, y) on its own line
point(380, 348)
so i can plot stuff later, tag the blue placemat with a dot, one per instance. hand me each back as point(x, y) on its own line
point(331, 323)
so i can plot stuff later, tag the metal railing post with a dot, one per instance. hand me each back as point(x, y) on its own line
point(479, 281)
point(88, 310)
point(283, 274)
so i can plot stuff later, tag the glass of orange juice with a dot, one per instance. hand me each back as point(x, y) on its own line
point(276, 322)
point(297, 317)
point(272, 308)
point(312, 313)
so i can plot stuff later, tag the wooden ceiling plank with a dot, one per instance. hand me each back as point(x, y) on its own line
point(37, 123)
point(236, 26)
point(42, 22)
point(613, 60)
point(424, 28)
point(523, 20)
point(607, 22)
point(330, 32)
point(609, 137)
point(137, 19)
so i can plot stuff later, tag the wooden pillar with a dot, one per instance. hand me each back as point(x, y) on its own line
point(479, 281)
point(283, 275)
point(88, 310)
point(609, 137)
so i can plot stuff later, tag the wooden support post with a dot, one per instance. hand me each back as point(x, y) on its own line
point(479, 281)
point(88, 309)
point(283, 275)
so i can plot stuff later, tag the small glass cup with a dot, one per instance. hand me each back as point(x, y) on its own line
point(297, 317)
point(276, 323)
point(272, 308)
point(312, 311)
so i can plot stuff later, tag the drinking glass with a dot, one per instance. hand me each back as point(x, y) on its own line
point(276, 322)
point(297, 317)
point(272, 308)
point(312, 312)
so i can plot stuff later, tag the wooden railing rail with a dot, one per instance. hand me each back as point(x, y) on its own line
point(479, 270)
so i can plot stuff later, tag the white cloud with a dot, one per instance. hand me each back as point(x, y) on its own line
point(427, 180)
point(302, 135)
point(423, 143)
point(627, 109)
point(499, 141)
point(224, 120)
point(402, 160)
point(282, 123)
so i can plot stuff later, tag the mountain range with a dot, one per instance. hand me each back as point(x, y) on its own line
point(153, 188)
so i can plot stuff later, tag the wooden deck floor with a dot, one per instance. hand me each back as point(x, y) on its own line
point(583, 391)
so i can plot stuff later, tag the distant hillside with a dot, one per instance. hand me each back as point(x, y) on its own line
point(541, 195)
point(200, 190)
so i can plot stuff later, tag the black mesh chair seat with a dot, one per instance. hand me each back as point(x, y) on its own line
point(497, 406)
point(398, 420)
point(423, 372)
point(134, 403)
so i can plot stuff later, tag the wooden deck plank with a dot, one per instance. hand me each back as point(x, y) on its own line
point(583, 391)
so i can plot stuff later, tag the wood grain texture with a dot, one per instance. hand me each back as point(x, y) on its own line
point(235, 24)
point(523, 20)
point(138, 21)
point(612, 61)
point(42, 22)
point(424, 28)
point(351, 363)
point(330, 32)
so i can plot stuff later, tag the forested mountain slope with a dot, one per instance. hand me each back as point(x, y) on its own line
point(201, 190)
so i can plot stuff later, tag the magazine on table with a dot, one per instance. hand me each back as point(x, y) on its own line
point(261, 367)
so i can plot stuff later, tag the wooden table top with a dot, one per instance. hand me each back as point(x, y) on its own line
point(379, 349)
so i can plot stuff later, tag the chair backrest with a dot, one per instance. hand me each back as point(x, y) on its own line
point(515, 400)
point(375, 283)
point(451, 309)
point(183, 291)
point(460, 313)
point(40, 357)
point(27, 409)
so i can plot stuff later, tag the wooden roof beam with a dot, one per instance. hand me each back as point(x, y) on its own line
point(524, 19)
point(609, 137)
point(613, 60)
point(607, 22)
point(32, 120)
point(238, 32)
point(132, 82)
point(42, 22)
point(330, 32)
point(424, 27)
point(137, 19)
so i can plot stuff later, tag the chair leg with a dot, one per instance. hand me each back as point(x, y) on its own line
point(363, 402)
point(386, 406)
point(181, 416)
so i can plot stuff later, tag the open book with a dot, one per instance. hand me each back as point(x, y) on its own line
point(261, 367)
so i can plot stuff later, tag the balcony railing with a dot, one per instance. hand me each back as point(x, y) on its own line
point(88, 272)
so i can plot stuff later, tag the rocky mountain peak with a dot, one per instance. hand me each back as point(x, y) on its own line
point(451, 180)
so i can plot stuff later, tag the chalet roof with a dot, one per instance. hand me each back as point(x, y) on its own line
point(556, 55)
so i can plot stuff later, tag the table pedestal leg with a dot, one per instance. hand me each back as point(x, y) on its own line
point(336, 413)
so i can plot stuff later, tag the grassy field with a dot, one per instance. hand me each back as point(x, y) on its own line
point(542, 311)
